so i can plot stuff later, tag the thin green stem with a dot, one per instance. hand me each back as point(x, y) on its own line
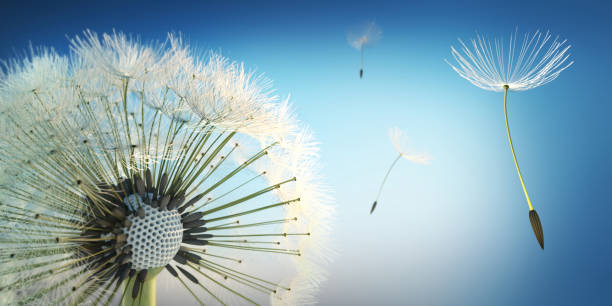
point(518, 170)
point(383, 182)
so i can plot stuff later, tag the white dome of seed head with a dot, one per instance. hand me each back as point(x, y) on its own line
point(117, 108)
point(155, 239)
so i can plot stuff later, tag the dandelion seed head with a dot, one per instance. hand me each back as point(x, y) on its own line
point(123, 158)
point(491, 65)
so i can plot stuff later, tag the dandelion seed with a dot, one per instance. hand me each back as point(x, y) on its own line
point(365, 36)
point(502, 68)
point(399, 139)
point(126, 163)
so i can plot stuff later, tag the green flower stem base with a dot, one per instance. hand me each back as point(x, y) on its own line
point(147, 294)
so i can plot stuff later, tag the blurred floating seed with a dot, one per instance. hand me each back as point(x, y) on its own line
point(400, 142)
point(363, 36)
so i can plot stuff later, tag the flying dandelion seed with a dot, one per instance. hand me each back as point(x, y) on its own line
point(399, 140)
point(502, 68)
point(126, 159)
point(365, 36)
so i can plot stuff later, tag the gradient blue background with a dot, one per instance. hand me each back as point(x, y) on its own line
point(455, 232)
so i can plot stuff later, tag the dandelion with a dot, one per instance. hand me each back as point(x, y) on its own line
point(502, 68)
point(365, 36)
point(399, 140)
point(126, 162)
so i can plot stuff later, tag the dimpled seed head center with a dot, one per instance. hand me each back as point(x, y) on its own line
point(155, 239)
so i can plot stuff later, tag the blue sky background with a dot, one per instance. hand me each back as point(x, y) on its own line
point(455, 232)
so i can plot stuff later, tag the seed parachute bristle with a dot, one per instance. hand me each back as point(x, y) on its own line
point(490, 65)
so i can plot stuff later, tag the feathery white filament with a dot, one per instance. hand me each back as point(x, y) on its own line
point(367, 35)
point(399, 139)
point(538, 61)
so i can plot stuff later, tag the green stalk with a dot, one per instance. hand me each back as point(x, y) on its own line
point(383, 183)
point(146, 295)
